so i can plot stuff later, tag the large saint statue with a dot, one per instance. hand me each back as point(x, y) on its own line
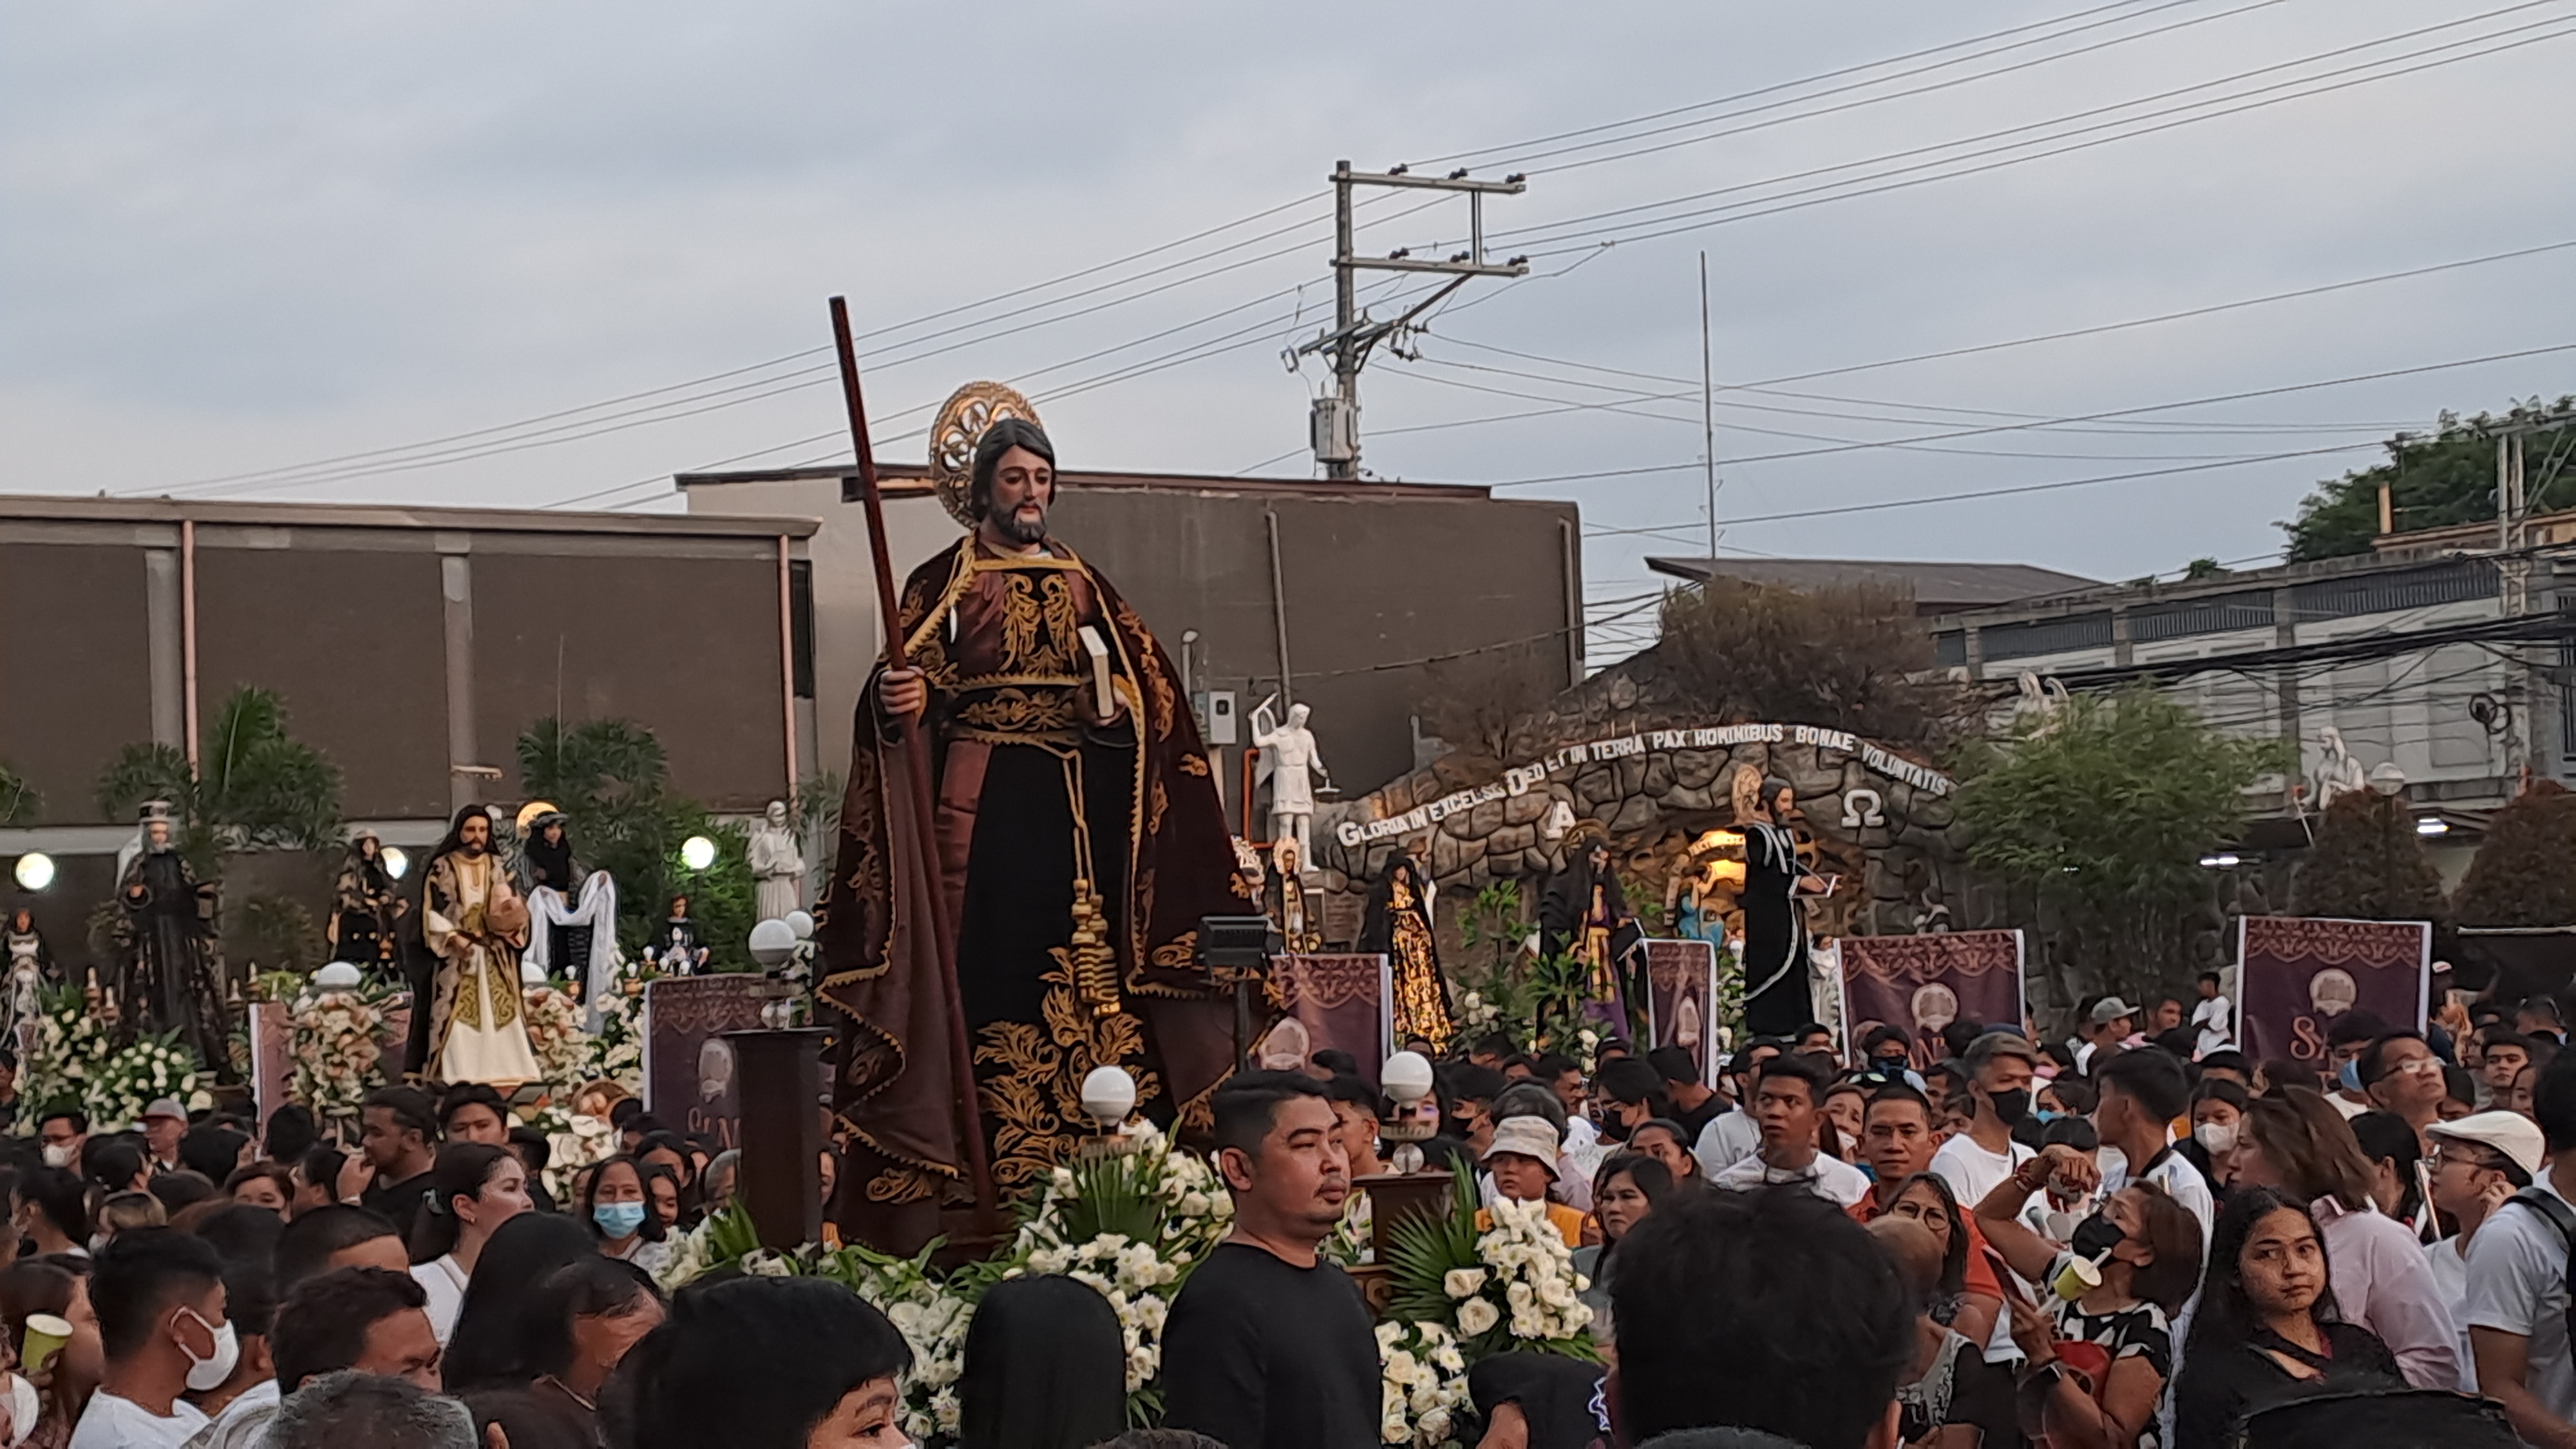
point(1398, 924)
point(1584, 913)
point(31, 970)
point(1079, 847)
point(1289, 758)
point(475, 924)
point(365, 908)
point(1777, 996)
point(776, 864)
point(167, 976)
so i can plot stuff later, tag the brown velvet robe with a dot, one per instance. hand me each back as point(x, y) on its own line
point(1037, 800)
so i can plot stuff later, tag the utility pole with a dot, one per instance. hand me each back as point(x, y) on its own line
point(2513, 587)
point(1335, 421)
point(1707, 416)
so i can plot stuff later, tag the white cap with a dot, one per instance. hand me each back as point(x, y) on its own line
point(2507, 1132)
point(1531, 1137)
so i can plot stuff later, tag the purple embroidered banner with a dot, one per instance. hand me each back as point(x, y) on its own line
point(1924, 983)
point(2296, 974)
point(1332, 1003)
point(1681, 1000)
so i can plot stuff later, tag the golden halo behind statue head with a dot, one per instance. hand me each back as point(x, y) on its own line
point(532, 810)
point(961, 424)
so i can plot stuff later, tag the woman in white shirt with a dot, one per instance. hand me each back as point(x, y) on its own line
point(473, 1189)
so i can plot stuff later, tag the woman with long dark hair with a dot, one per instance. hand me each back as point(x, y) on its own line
point(489, 1348)
point(2293, 1140)
point(1046, 1368)
point(2266, 1328)
point(473, 1189)
point(1624, 1191)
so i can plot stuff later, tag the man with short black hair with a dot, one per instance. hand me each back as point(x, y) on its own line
point(474, 1112)
point(1268, 1345)
point(50, 1209)
point(1491, 1050)
point(159, 1296)
point(1763, 1310)
point(398, 1135)
point(243, 1407)
point(2212, 1017)
point(1888, 1051)
point(2001, 1068)
point(2350, 1036)
point(2539, 1016)
point(2142, 1092)
point(1815, 1039)
point(1472, 1090)
point(2228, 1063)
point(368, 1319)
point(2401, 1075)
point(347, 1409)
point(2507, 1053)
point(1788, 1107)
point(1692, 1104)
point(62, 1133)
point(338, 1236)
point(1732, 1136)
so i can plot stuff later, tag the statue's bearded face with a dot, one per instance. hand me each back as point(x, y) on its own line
point(475, 835)
point(157, 834)
point(1023, 487)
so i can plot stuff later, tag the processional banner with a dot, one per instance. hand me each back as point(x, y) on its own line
point(1924, 983)
point(689, 1079)
point(2296, 974)
point(1330, 1003)
point(1681, 1000)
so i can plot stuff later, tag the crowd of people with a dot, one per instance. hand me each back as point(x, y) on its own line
point(2131, 1237)
point(2127, 1238)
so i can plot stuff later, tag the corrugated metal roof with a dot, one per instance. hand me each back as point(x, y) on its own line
point(1935, 586)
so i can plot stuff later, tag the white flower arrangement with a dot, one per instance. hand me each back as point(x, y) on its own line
point(74, 1059)
point(1534, 1271)
point(555, 1035)
point(615, 1052)
point(335, 1038)
point(1422, 1382)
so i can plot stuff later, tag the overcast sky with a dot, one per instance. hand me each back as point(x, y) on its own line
point(244, 238)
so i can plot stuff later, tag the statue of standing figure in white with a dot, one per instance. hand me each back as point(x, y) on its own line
point(777, 864)
point(1288, 755)
point(2338, 773)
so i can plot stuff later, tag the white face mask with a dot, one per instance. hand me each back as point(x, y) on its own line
point(57, 1155)
point(2218, 1137)
point(209, 1373)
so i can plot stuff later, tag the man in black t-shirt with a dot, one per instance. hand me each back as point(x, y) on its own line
point(398, 1139)
point(1268, 1347)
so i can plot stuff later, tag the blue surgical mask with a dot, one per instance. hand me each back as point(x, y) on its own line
point(618, 1219)
point(2350, 1075)
point(2045, 1115)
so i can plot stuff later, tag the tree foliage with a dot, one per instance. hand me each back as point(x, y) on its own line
point(1487, 705)
point(256, 785)
point(1854, 658)
point(2368, 864)
point(2102, 815)
point(2433, 482)
point(2524, 873)
point(612, 779)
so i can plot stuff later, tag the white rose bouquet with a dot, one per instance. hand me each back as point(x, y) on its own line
point(1422, 1384)
point(1503, 1279)
point(555, 1035)
point(73, 1059)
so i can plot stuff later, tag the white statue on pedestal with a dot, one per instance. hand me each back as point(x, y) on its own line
point(1288, 755)
point(2338, 773)
point(777, 864)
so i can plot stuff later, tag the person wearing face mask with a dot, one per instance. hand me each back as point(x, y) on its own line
point(62, 1133)
point(1888, 1052)
point(159, 1295)
point(2000, 1067)
point(2217, 1109)
point(615, 1204)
